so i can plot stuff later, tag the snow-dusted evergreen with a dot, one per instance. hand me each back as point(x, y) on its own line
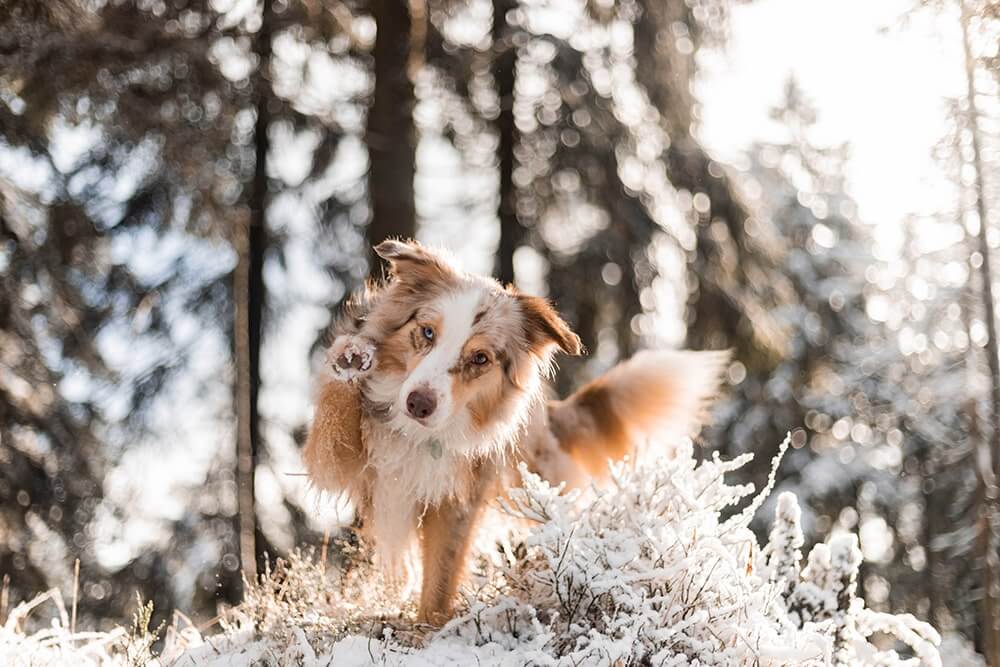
point(657, 569)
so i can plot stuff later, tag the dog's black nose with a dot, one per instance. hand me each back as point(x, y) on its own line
point(421, 403)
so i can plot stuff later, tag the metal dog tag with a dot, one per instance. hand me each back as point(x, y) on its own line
point(435, 447)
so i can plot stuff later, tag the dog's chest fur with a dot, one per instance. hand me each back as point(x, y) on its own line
point(424, 472)
point(406, 477)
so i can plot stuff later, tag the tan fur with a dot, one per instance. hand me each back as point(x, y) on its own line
point(445, 536)
point(544, 326)
point(489, 400)
point(395, 351)
point(662, 393)
point(334, 452)
point(410, 485)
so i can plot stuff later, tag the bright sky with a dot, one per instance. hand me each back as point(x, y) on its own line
point(877, 82)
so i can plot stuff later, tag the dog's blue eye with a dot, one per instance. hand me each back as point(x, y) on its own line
point(428, 333)
point(480, 359)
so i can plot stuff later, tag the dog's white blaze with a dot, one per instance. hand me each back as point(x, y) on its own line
point(458, 313)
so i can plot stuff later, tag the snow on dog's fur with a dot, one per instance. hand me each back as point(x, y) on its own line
point(438, 393)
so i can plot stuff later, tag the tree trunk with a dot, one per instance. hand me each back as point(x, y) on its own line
point(991, 606)
point(504, 78)
point(391, 134)
point(250, 303)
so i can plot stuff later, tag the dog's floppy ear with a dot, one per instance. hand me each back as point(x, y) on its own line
point(543, 326)
point(398, 250)
point(406, 256)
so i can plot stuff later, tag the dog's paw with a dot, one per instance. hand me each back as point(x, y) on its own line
point(350, 357)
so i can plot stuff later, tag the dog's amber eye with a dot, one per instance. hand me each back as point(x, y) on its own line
point(427, 333)
point(480, 359)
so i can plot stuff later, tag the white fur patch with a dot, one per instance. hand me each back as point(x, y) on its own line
point(458, 313)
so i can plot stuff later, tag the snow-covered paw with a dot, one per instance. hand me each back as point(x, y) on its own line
point(350, 357)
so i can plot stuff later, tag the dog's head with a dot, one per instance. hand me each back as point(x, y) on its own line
point(457, 354)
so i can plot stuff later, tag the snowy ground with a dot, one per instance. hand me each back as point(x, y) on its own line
point(643, 572)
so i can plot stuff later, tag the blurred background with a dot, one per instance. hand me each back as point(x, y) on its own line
point(189, 188)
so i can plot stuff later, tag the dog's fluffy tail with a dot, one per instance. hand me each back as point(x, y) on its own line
point(655, 395)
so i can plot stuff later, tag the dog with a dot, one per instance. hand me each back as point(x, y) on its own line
point(438, 392)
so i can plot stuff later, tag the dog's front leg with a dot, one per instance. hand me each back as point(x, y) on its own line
point(444, 540)
point(445, 535)
point(334, 454)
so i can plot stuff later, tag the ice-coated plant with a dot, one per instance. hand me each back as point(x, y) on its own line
point(647, 570)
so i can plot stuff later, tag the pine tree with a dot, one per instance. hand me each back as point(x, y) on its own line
point(167, 94)
point(821, 253)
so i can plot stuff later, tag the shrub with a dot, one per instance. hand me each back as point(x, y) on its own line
point(648, 571)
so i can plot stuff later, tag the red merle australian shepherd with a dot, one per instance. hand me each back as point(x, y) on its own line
point(438, 392)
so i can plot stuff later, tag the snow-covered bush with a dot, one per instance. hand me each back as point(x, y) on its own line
point(61, 645)
point(645, 572)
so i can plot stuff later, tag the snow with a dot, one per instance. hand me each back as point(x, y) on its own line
point(645, 571)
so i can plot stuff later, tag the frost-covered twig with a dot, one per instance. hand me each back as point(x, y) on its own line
point(642, 572)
